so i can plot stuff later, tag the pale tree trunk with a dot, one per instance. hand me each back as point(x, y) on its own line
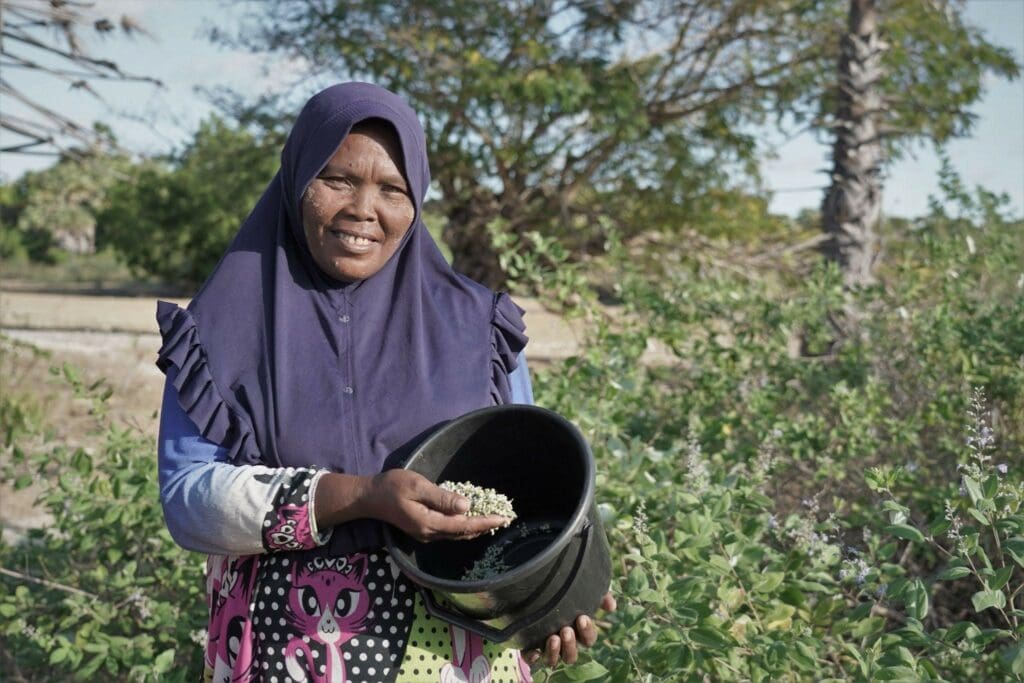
point(853, 204)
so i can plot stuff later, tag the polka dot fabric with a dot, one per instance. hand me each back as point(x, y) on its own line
point(438, 651)
point(352, 619)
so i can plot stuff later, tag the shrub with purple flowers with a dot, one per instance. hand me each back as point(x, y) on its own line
point(789, 495)
point(819, 502)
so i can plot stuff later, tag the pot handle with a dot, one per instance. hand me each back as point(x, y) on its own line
point(435, 609)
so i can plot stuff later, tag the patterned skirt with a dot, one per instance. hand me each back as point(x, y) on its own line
point(285, 617)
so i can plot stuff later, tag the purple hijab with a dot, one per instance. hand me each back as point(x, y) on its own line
point(285, 367)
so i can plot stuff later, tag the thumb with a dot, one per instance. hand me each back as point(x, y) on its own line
point(446, 502)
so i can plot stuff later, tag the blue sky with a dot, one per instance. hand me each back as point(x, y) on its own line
point(150, 120)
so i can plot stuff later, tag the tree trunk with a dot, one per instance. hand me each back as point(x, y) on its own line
point(853, 204)
point(473, 252)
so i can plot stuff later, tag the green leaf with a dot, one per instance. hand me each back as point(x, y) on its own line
point(973, 489)
point(768, 582)
point(585, 671)
point(905, 531)
point(954, 573)
point(779, 618)
point(163, 662)
point(1000, 578)
point(978, 516)
point(896, 673)
point(636, 581)
point(804, 655)
point(868, 627)
point(898, 514)
point(916, 599)
point(982, 600)
point(709, 637)
point(1014, 657)
point(1015, 547)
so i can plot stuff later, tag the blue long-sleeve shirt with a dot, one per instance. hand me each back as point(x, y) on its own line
point(216, 507)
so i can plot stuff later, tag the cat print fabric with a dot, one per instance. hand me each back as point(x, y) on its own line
point(355, 619)
point(289, 525)
point(295, 615)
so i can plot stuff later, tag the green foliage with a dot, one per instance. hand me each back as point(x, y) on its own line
point(783, 503)
point(20, 412)
point(44, 209)
point(102, 593)
point(574, 118)
point(741, 465)
point(174, 220)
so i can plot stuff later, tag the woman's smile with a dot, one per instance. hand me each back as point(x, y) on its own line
point(356, 212)
point(353, 242)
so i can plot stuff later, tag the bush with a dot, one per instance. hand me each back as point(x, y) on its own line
point(805, 484)
point(103, 594)
point(175, 220)
point(795, 488)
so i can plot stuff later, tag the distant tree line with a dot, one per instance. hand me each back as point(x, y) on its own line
point(575, 120)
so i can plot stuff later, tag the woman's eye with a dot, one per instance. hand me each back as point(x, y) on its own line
point(336, 181)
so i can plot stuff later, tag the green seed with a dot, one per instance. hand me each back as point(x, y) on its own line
point(482, 501)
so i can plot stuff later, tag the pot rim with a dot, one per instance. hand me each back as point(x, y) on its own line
point(557, 546)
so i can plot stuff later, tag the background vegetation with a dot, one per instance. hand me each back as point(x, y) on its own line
point(800, 480)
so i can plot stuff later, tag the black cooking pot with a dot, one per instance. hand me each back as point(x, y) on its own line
point(555, 552)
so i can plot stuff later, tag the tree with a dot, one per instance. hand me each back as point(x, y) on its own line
point(853, 205)
point(562, 115)
point(173, 218)
point(881, 104)
point(556, 116)
point(44, 38)
point(57, 207)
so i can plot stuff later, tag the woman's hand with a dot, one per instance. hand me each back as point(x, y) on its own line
point(565, 644)
point(422, 509)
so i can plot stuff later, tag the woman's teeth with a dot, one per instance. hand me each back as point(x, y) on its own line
point(352, 239)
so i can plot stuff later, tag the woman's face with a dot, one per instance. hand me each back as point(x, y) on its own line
point(356, 212)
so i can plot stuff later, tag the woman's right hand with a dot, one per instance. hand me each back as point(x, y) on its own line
point(423, 510)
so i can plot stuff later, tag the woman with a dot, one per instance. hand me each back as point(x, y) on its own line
point(328, 341)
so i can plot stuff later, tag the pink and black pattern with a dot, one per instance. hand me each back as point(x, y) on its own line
point(327, 620)
point(288, 525)
point(229, 645)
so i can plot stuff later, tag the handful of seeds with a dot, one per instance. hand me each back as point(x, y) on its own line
point(482, 502)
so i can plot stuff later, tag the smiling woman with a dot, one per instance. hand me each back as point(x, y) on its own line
point(356, 212)
point(331, 338)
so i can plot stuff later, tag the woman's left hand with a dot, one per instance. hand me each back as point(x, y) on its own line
point(565, 644)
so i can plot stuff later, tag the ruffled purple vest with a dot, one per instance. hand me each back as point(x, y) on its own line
point(282, 366)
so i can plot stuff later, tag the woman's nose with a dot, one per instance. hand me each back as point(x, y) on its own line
point(362, 205)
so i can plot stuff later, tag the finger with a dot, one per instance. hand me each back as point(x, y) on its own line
point(553, 649)
point(586, 632)
point(569, 652)
point(444, 502)
point(460, 527)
